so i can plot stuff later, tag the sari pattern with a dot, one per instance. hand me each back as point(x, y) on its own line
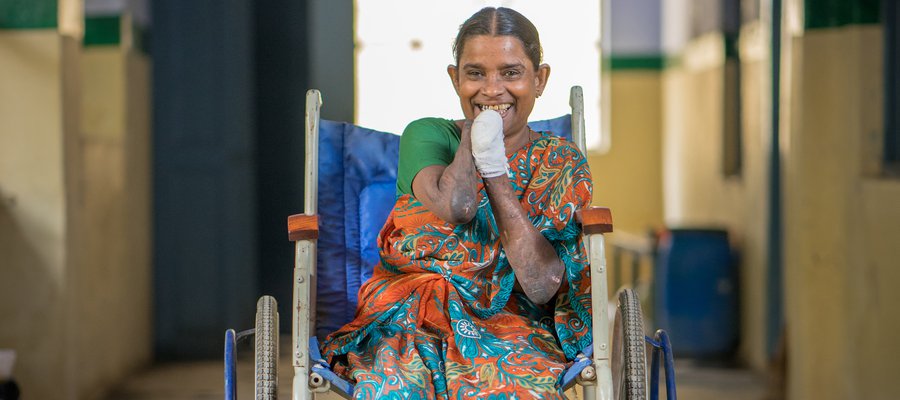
point(439, 317)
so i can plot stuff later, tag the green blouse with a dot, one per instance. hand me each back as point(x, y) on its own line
point(425, 142)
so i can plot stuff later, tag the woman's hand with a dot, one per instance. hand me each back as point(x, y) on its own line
point(450, 191)
point(487, 144)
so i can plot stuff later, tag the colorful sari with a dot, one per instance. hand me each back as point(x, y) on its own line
point(439, 317)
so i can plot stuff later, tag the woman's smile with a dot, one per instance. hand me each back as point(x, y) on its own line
point(501, 109)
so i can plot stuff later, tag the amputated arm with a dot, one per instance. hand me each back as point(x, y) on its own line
point(450, 192)
point(538, 269)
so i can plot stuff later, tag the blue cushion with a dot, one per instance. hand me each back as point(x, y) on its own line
point(559, 126)
point(356, 166)
point(375, 203)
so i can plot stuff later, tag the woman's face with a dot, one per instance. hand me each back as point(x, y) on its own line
point(494, 72)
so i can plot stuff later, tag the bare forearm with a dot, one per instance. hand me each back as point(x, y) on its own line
point(538, 268)
point(457, 187)
point(450, 191)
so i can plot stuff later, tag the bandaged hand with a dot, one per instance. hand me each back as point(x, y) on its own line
point(487, 144)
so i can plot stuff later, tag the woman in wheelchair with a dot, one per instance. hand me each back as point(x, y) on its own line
point(482, 287)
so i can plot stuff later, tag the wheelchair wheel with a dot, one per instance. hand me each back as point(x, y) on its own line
point(266, 348)
point(629, 363)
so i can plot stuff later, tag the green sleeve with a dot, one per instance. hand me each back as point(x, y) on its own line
point(425, 142)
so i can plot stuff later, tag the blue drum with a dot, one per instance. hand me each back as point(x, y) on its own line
point(696, 292)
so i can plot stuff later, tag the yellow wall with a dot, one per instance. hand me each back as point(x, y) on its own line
point(696, 191)
point(33, 252)
point(627, 179)
point(75, 274)
point(114, 280)
point(841, 226)
point(842, 222)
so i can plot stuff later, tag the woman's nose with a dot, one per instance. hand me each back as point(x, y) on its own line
point(493, 87)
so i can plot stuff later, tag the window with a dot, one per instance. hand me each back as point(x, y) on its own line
point(732, 149)
point(724, 16)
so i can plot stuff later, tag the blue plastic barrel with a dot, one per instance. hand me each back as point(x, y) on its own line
point(696, 292)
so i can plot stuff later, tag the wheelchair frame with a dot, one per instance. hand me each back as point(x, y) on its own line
point(596, 377)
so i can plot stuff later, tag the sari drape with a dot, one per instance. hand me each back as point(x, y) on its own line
point(439, 317)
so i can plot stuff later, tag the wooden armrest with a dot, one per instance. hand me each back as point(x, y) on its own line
point(595, 220)
point(302, 226)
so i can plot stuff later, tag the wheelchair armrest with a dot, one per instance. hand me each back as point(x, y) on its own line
point(302, 226)
point(595, 220)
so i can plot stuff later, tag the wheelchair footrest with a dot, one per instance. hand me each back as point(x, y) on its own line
point(321, 367)
point(582, 361)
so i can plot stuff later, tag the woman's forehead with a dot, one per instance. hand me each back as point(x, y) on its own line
point(486, 48)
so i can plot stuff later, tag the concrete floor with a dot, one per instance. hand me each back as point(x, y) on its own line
point(203, 380)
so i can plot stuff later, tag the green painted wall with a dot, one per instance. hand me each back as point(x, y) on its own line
point(102, 30)
point(834, 13)
point(28, 14)
point(653, 62)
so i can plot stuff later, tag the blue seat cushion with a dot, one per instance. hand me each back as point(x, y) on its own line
point(375, 203)
point(559, 126)
point(357, 180)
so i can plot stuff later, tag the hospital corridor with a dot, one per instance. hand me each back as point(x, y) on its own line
point(468, 199)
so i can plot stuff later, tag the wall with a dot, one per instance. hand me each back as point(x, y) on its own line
point(627, 172)
point(74, 205)
point(627, 179)
point(112, 212)
point(696, 192)
point(840, 213)
point(331, 55)
point(841, 221)
point(33, 251)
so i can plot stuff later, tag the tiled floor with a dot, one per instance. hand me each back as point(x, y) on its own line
point(203, 380)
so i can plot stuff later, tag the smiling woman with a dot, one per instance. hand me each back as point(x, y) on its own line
point(483, 286)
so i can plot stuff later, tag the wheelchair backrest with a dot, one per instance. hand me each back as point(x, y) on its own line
point(356, 192)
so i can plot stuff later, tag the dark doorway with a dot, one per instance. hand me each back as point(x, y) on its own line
point(228, 86)
point(281, 82)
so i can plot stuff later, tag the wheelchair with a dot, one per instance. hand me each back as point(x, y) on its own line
point(335, 251)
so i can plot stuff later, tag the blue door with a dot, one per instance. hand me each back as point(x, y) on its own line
point(204, 174)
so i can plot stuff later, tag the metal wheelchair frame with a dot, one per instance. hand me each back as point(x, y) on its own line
point(596, 376)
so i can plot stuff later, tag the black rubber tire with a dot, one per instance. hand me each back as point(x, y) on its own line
point(629, 361)
point(266, 367)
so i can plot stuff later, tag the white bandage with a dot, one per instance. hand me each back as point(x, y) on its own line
point(487, 144)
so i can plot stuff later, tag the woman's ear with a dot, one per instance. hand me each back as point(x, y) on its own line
point(540, 78)
point(453, 72)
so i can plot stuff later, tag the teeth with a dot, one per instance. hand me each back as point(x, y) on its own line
point(496, 107)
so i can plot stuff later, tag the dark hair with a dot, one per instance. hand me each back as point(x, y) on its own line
point(500, 21)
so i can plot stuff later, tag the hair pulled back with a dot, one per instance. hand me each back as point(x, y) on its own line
point(500, 21)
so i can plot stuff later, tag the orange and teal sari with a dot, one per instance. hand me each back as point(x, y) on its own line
point(440, 319)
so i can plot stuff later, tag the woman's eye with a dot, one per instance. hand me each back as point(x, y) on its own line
point(474, 74)
point(511, 73)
